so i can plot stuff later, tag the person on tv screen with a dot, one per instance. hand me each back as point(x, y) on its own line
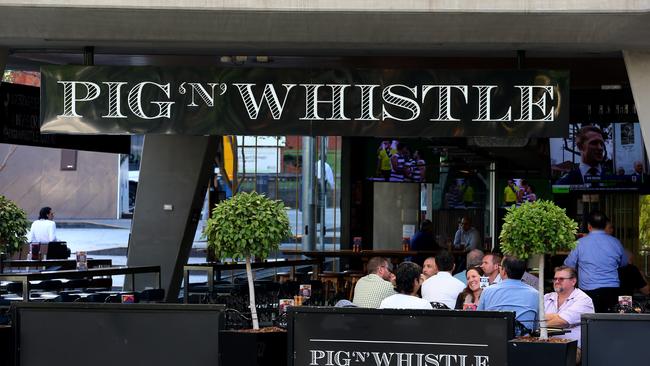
point(399, 169)
point(384, 154)
point(590, 140)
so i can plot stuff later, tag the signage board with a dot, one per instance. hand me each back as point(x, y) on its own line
point(385, 337)
point(279, 102)
point(19, 125)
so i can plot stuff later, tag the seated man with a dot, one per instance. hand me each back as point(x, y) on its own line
point(443, 287)
point(490, 266)
point(474, 259)
point(408, 278)
point(371, 289)
point(511, 294)
point(429, 268)
point(564, 306)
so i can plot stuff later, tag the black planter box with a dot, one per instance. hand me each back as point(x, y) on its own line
point(541, 353)
point(252, 349)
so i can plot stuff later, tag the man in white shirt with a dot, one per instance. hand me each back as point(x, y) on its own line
point(408, 280)
point(443, 287)
point(43, 230)
point(370, 290)
point(564, 306)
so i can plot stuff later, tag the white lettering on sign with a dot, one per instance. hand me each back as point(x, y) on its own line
point(319, 357)
point(398, 102)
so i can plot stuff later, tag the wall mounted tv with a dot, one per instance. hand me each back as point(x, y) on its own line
point(600, 157)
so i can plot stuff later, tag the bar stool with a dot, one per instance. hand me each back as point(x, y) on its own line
point(331, 282)
point(351, 278)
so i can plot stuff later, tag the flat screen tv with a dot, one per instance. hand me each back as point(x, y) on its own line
point(600, 157)
point(401, 160)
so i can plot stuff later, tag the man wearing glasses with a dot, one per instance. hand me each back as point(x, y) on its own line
point(370, 290)
point(564, 306)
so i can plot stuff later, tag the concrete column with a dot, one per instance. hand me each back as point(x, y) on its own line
point(638, 72)
point(308, 194)
point(4, 53)
point(174, 175)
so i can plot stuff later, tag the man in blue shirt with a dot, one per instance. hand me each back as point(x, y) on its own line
point(511, 294)
point(598, 257)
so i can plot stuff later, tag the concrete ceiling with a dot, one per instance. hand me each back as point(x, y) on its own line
point(55, 34)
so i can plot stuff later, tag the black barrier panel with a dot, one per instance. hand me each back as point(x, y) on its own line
point(117, 334)
point(615, 339)
point(19, 124)
point(374, 337)
point(272, 101)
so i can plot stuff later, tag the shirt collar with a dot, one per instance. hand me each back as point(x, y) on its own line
point(584, 169)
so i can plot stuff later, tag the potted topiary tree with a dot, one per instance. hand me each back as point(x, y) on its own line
point(245, 226)
point(538, 228)
point(13, 228)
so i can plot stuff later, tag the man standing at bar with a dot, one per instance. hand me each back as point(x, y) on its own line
point(598, 257)
point(371, 289)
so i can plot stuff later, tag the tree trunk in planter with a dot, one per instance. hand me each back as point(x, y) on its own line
point(527, 353)
point(252, 348)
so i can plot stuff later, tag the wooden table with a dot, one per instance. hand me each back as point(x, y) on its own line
point(214, 268)
point(46, 263)
point(26, 277)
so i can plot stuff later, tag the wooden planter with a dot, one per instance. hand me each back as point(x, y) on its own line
point(252, 348)
point(537, 353)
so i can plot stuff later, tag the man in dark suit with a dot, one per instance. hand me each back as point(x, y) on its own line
point(591, 143)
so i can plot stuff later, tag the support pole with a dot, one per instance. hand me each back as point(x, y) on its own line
point(638, 72)
point(308, 197)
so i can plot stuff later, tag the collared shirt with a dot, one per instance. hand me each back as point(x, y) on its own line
point(42, 231)
point(584, 170)
point(370, 290)
point(402, 301)
point(497, 280)
point(512, 295)
point(597, 258)
point(470, 238)
point(576, 304)
point(442, 288)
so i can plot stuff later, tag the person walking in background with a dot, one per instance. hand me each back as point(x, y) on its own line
point(598, 256)
point(43, 230)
